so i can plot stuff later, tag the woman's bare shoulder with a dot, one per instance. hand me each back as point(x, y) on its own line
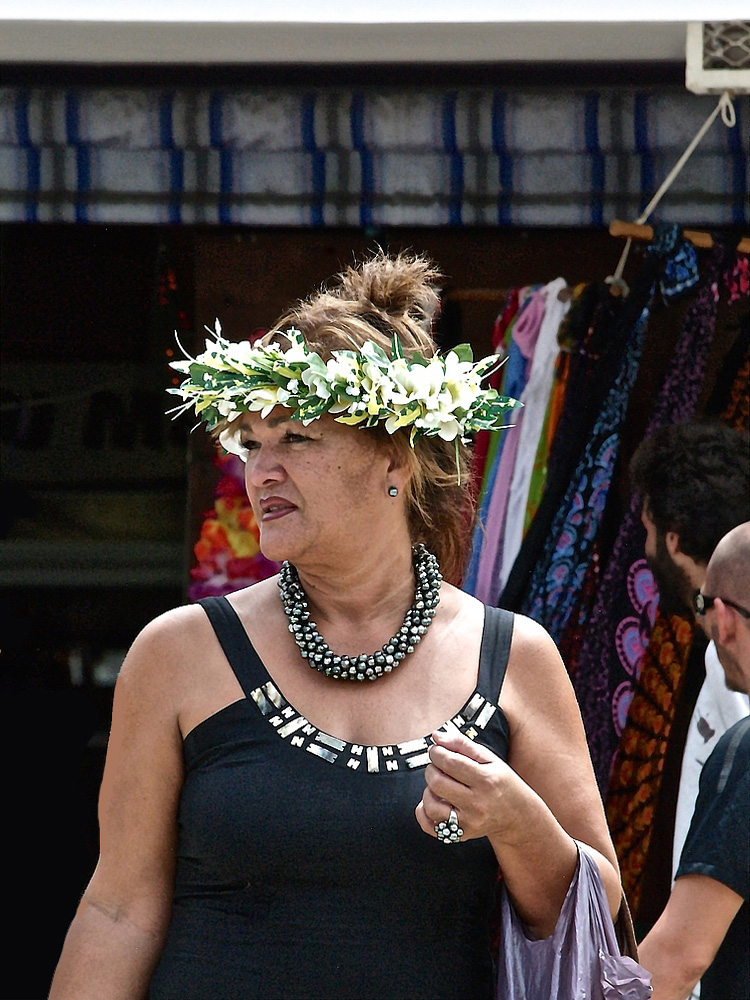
point(529, 637)
point(457, 602)
point(537, 681)
point(164, 650)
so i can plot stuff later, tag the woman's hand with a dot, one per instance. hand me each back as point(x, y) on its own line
point(485, 792)
point(535, 854)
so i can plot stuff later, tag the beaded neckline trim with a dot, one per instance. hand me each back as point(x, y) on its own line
point(296, 730)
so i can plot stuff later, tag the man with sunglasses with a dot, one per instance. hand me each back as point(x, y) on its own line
point(693, 480)
point(704, 932)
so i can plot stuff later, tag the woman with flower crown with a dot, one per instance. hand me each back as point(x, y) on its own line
point(313, 785)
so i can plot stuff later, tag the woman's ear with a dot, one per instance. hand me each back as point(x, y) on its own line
point(399, 472)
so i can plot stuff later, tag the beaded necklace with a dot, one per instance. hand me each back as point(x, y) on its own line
point(365, 666)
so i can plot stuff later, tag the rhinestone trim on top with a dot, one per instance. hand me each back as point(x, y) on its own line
point(295, 728)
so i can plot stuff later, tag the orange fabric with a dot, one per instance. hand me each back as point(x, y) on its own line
point(639, 763)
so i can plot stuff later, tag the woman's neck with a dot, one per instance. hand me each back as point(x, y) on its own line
point(375, 584)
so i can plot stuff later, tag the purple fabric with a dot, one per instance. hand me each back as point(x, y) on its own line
point(525, 334)
point(608, 667)
point(580, 960)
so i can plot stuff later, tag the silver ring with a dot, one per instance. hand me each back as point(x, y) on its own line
point(448, 831)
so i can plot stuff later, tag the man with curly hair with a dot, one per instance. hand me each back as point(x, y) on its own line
point(693, 478)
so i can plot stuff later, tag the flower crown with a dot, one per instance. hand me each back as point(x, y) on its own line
point(438, 396)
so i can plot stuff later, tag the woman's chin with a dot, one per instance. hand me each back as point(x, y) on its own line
point(275, 548)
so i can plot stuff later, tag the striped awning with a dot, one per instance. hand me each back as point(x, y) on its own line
point(368, 157)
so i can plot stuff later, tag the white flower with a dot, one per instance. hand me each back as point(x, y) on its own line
point(440, 396)
point(297, 353)
point(460, 381)
point(263, 399)
point(229, 439)
point(377, 387)
point(318, 382)
point(445, 424)
point(419, 382)
point(226, 409)
point(341, 368)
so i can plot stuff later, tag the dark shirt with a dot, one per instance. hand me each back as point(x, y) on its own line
point(302, 871)
point(718, 846)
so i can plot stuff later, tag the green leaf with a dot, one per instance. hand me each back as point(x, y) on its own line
point(372, 352)
point(463, 352)
point(417, 359)
point(351, 418)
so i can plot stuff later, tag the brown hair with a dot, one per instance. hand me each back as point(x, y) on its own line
point(373, 300)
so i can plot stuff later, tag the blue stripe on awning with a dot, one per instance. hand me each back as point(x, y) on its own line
point(33, 158)
point(82, 154)
point(72, 112)
point(317, 160)
point(166, 128)
point(505, 161)
point(640, 133)
point(226, 165)
point(176, 185)
point(22, 117)
point(591, 138)
point(367, 167)
point(215, 122)
point(456, 160)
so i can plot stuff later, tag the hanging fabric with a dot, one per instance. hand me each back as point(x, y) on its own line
point(633, 801)
point(553, 413)
point(559, 576)
point(613, 646)
point(488, 445)
point(515, 374)
point(557, 581)
point(486, 440)
point(535, 399)
point(636, 779)
point(596, 332)
point(525, 334)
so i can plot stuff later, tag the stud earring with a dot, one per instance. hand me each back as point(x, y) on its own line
point(393, 491)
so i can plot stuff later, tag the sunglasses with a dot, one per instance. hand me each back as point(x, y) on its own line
point(703, 603)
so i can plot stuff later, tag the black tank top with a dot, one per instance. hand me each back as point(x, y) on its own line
point(302, 871)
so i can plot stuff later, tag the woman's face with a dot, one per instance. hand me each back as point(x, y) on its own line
point(317, 492)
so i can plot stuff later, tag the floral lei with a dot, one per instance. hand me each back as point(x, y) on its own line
point(437, 396)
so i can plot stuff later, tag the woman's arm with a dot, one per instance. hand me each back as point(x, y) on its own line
point(117, 934)
point(533, 808)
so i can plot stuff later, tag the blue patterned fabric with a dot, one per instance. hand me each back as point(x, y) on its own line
point(386, 156)
point(559, 574)
point(680, 271)
point(607, 671)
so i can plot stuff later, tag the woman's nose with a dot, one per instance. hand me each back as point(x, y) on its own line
point(263, 466)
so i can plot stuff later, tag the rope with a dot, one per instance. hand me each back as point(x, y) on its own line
point(725, 107)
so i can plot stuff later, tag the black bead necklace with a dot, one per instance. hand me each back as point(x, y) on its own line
point(365, 666)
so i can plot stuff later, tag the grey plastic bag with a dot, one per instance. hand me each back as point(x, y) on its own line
point(580, 960)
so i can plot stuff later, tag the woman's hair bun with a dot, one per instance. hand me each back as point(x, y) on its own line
point(403, 285)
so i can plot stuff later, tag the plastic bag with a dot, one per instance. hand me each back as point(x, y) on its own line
point(580, 960)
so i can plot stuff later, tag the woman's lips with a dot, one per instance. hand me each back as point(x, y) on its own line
point(275, 507)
